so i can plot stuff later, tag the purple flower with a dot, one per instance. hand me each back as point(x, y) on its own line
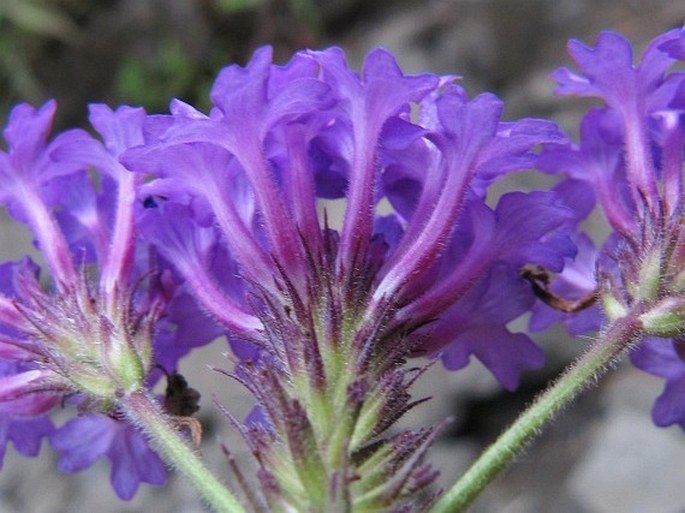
point(198, 225)
point(631, 153)
point(633, 93)
point(257, 177)
point(476, 312)
point(318, 307)
point(110, 313)
point(637, 117)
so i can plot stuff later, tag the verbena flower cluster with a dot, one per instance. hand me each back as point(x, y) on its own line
point(630, 161)
point(160, 233)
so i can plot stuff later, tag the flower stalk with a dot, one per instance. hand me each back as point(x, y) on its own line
point(143, 411)
point(609, 346)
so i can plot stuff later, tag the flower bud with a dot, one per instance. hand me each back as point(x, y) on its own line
point(613, 308)
point(666, 319)
point(650, 276)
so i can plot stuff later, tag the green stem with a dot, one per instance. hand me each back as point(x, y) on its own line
point(585, 372)
point(144, 412)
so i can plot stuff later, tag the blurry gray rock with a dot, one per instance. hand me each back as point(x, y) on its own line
point(632, 466)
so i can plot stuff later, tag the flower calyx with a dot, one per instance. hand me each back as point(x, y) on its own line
point(86, 342)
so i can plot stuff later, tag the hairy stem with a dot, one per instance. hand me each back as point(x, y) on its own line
point(610, 345)
point(144, 412)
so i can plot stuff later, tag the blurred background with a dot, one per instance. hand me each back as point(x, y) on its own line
point(602, 456)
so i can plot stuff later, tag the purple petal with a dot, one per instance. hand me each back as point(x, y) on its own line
point(17, 385)
point(85, 439)
point(476, 325)
point(669, 407)
point(513, 149)
point(607, 67)
point(674, 47)
point(367, 103)
point(27, 132)
point(189, 247)
point(659, 357)
point(120, 129)
point(255, 97)
point(328, 152)
point(599, 162)
point(250, 107)
point(25, 173)
point(504, 354)
point(25, 433)
point(527, 230)
point(27, 168)
point(471, 127)
point(609, 73)
point(184, 328)
point(212, 174)
point(133, 462)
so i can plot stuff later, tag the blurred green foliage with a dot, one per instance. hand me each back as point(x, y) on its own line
point(140, 52)
point(237, 5)
point(24, 25)
point(153, 84)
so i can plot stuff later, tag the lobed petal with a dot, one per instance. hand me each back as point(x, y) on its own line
point(659, 357)
point(475, 325)
point(85, 439)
